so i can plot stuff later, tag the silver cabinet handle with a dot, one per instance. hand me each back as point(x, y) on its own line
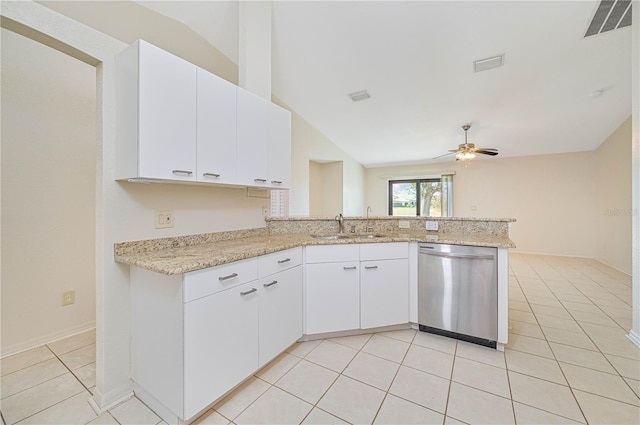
point(260, 180)
point(350, 268)
point(370, 267)
point(276, 182)
point(211, 175)
point(250, 291)
point(232, 275)
point(284, 261)
point(266, 285)
point(187, 172)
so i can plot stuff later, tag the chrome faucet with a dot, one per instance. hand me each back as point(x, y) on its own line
point(368, 229)
point(340, 221)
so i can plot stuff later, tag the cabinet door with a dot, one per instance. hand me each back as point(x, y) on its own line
point(332, 297)
point(280, 312)
point(384, 293)
point(167, 115)
point(279, 157)
point(252, 139)
point(216, 129)
point(220, 344)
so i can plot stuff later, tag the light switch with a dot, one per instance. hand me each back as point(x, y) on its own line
point(432, 225)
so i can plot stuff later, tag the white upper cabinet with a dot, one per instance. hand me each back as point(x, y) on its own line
point(279, 156)
point(216, 129)
point(177, 122)
point(253, 125)
point(156, 114)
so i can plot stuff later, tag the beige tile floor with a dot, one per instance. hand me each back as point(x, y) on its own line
point(568, 361)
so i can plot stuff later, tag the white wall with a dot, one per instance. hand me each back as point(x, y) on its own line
point(325, 188)
point(48, 192)
point(613, 188)
point(551, 196)
point(634, 334)
point(127, 21)
point(124, 211)
point(311, 145)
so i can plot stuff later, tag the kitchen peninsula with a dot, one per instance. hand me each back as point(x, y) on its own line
point(215, 308)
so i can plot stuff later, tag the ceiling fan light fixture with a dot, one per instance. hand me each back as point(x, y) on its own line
point(465, 156)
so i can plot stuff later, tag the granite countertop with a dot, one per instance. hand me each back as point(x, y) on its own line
point(185, 259)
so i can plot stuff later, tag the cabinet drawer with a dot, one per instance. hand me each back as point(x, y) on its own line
point(278, 261)
point(215, 279)
point(384, 251)
point(332, 253)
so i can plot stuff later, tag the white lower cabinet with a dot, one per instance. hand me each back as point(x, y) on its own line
point(220, 344)
point(332, 297)
point(384, 293)
point(198, 335)
point(280, 312)
point(356, 286)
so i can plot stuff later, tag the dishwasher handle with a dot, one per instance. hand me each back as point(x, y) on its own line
point(454, 255)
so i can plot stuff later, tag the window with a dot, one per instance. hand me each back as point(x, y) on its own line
point(421, 197)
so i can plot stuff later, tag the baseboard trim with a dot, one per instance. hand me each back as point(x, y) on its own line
point(46, 339)
point(515, 251)
point(100, 403)
point(613, 267)
point(634, 337)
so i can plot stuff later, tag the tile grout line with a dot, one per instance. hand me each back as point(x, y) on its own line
point(453, 365)
point(554, 357)
point(562, 370)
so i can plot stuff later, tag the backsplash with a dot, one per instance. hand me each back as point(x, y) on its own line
point(324, 225)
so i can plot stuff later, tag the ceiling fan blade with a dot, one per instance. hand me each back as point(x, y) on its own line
point(488, 149)
point(486, 152)
point(444, 155)
point(454, 150)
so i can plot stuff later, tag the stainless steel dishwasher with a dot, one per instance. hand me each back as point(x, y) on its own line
point(458, 292)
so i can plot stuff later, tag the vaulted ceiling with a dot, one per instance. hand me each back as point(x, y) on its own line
point(556, 92)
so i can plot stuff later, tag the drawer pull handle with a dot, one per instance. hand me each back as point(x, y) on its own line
point(187, 172)
point(350, 268)
point(286, 260)
point(266, 285)
point(370, 267)
point(260, 180)
point(232, 275)
point(211, 175)
point(250, 291)
point(276, 182)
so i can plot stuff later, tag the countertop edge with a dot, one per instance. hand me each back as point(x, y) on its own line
point(172, 261)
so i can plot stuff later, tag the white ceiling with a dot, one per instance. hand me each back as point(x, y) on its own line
point(415, 59)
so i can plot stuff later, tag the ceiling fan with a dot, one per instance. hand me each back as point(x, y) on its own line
point(467, 151)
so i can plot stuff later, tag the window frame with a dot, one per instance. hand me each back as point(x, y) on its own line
point(418, 193)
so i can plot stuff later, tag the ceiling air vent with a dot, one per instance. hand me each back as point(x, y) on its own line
point(611, 14)
point(488, 63)
point(359, 95)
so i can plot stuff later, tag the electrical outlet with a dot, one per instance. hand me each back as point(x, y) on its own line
point(404, 224)
point(68, 298)
point(265, 212)
point(163, 219)
point(432, 225)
